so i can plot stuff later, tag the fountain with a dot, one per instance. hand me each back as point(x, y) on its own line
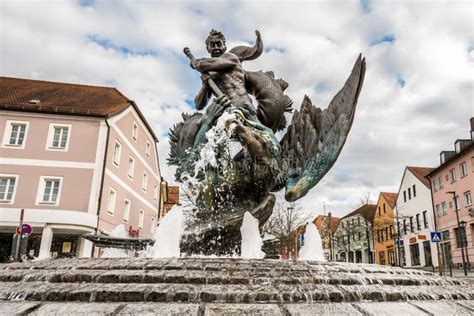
point(312, 248)
point(231, 198)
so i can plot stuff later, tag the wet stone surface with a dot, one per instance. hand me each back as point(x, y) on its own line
point(212, 286)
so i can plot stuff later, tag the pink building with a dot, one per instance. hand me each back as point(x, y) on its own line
point(455, 174)
point(79, 159)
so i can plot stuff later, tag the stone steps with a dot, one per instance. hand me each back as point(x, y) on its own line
point(226, 283)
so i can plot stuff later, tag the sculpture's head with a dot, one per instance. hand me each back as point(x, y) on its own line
point(215, 43)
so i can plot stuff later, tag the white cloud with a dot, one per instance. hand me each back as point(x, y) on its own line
point(315, 45)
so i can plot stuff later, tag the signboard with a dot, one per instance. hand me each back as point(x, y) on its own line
point(412, 240)
point(422, 237)
point(436, 237)
point(26, 229)
point(302, 239)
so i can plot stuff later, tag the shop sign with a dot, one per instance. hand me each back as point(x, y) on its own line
point(412, 240)
point(422, 237)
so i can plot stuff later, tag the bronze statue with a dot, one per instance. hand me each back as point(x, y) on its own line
point(225, 185)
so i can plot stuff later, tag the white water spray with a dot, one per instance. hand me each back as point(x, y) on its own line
point(251, 245)
point(313, 248)
point(118, 231)
point(168, 235)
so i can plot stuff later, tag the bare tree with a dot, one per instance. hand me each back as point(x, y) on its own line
point(284, 223)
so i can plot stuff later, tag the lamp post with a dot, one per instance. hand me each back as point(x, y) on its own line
point(459, 232)
point(463, 226)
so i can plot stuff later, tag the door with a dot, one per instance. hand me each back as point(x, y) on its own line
point(427, 252)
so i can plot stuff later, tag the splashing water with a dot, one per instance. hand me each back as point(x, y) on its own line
point(118, 231)
point(312, 249)
point(168, 235)
point(251, 246)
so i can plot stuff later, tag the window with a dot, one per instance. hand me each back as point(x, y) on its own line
point(418, 224)
point(384, 210)
point(141, 219)
point(49, 190)
point(438, 210)
point(411, 224)
point(381, 234)
point(378, 235)
point(131, 167)
point(444, 208)
point(15, 134)
point(452, 175)
point(415, 254)
point(153, 225)
point(359, 236)
point(386, 233)
point(392, 233)
point(111, 202)
point(145, 181)
point(117, 150)
point(358, 221)
point(58, 137)
point(126, 210)
point(425, 219)
point(382, 257)
point(404, 226)
point(434, 184)
point(467, 198)
point(414, 191)
point(409, 193)
point(404, 196)
point(445, 235)
point(135, 131)
point(7, 188)
point(148, 148)
point(463, 169)
point(379, 211)
point(155, 192)
point(440, 182)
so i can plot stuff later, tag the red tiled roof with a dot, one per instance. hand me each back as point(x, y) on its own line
point(390, 197)
point(366, 210)
point(333, 225)
point(421, 173)
point(59, 97)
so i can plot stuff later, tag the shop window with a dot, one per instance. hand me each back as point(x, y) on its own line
point(415, 254)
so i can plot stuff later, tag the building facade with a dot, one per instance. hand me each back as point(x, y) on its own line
point(415, 220)
point(385, 229)
point(78, 159)
point(353, 238)
point(452, 187)
point(326, 226)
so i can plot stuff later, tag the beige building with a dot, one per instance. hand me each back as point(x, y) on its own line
point(78, 159)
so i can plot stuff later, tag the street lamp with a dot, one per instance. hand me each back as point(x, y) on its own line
point(459, 232)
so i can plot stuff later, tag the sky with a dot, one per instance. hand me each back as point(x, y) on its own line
point(416, 100)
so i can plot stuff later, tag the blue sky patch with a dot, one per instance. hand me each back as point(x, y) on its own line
point(108, 44)
point(86, 3)
point(271, 48)
point(400, 81)
point(365, 5)
point(388, 38)
point(190, 102)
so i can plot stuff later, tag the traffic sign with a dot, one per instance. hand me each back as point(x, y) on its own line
point(436, 237)
point(26, 229)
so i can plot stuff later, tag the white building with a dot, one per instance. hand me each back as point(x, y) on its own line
point(415, 220)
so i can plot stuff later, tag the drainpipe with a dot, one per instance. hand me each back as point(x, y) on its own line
point(99, 203)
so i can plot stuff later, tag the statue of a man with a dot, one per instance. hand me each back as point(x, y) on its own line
point(226, 71)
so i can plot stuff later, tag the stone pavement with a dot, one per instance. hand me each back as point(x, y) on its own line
point(218, 286)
